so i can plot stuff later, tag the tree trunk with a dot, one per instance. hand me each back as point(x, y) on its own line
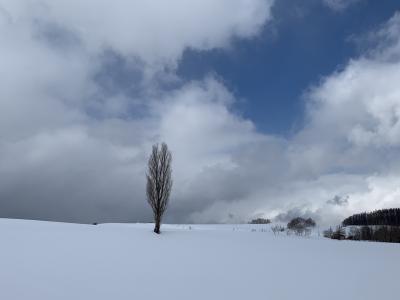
point(157, 227)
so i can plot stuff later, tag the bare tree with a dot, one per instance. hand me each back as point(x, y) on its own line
point(159, 182)
point(277, 229)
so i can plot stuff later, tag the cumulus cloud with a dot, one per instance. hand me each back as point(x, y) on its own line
point(87, 89)
point(353, 120)
point(89, 86)
point(348, 146)
point(155, 31)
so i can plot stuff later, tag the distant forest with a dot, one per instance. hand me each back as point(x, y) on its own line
point(388, 217)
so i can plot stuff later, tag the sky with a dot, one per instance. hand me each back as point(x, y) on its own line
point(271, 109)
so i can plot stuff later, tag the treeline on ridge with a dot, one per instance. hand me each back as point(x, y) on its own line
point(388, 217)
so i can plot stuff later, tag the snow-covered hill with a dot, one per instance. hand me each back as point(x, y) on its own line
point(43, 261)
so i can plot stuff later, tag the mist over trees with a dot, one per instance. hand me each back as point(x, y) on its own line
point(301, 222)
point(159, 182)
point(301, 226)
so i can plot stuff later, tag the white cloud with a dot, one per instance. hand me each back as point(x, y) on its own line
point(349, 145)
point(339, 5)
point(154, 31)
point(74, 142)
point(353, 123)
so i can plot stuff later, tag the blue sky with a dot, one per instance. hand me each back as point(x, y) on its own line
point(305, 41)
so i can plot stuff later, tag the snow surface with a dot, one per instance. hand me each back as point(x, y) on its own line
point(43, 260)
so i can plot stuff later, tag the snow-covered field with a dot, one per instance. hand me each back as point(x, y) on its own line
point(42, 260)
